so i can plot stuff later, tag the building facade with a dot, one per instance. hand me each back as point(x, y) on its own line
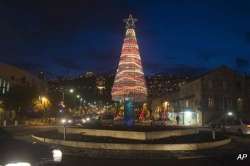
point(4, 86)
point(162, 85)
point(12, 77)
point(16, 76)
point(210, 97)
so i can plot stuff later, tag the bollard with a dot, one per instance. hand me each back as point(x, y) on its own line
point(64, 132)
point(16, 123)
point(4, 123)
point(213, 134)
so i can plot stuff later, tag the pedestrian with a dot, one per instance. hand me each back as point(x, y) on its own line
point(177, 119)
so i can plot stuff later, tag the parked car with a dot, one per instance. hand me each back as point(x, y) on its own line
point(240, 126)
point(66, 121)
point(107, 119)
point(90, 119)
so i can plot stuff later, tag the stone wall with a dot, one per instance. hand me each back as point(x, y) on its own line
point(134, 135)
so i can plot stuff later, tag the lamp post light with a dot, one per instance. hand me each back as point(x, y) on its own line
point(18, 164)
point(71, 90)
point(57, 155)
point(64, 131)
point(64, 122)
point(63, 93)
point(230, 114)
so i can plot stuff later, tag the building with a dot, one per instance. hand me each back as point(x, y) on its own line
point(246, 105)
point(12, 75)
point(4, 88)
point(162, 85)
point(210, 97)
point(4, 85)
point(160, 89)
point(92, 87)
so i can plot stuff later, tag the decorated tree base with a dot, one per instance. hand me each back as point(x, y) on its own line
point(129, 115)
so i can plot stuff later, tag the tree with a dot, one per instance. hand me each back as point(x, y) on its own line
point(20, 98)
point(129, 80)
point(1, 111)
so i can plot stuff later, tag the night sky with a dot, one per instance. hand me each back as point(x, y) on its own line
point(75, 36)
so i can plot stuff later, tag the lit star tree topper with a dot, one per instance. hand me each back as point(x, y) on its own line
point(130, 22)
point(129, 80)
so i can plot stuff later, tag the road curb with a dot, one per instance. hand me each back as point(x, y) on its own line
point(136, 147)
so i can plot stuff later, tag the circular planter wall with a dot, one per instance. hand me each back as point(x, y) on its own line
point(134, 135)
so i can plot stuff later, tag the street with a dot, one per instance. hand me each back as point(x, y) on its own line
point(22, 148)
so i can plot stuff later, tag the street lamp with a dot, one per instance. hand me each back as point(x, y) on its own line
point(57, 155)
point(44, 101)
point(230, 114)
point(18, 164)
point(71, 91)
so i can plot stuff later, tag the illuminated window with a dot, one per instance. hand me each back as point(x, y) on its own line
point(8, 87)
point(187, 103)
point(210, 102)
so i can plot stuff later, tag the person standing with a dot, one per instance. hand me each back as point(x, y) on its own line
point(177, 119)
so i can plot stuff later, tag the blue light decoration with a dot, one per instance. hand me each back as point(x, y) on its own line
point(129, 112)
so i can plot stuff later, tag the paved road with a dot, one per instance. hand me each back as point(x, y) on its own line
point(22, 147)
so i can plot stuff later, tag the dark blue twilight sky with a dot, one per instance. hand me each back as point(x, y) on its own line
point(70, 37)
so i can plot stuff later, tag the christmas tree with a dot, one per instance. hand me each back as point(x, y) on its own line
point(129, 80)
